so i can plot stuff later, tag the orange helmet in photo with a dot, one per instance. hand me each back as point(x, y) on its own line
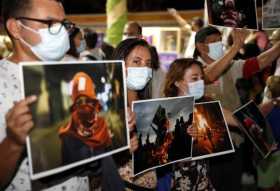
point(83, 85)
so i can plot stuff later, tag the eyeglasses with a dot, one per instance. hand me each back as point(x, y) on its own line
point(52, 22)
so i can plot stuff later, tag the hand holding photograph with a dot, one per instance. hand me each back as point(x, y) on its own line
point(255, 127)
point(162, 126)
point(80, 115)
point(211, 133)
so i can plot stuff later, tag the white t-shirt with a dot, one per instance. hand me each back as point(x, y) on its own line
point(10, 91)
point(191, 46)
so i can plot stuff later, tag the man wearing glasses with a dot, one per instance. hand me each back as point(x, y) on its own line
point(39, 31)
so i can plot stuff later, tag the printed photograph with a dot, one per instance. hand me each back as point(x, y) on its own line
point(233, 13)
point(162, 132)
point(212, 136)
point(80, 114)
point(255, 127)
point(271, 14)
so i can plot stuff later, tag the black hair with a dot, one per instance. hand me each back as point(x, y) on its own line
point(108, 50)
point(91, 38)
point(126, 46)
point(201, 36)
point(198, 22)
point(73, 50)
point(155, 58)
point(14, 9)
point(124, 49)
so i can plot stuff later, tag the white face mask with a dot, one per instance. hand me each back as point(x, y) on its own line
point(82, 46)
point(196, 89)
point(138, 77)
point(52, 46)
point(216, 50)
point(124, 37)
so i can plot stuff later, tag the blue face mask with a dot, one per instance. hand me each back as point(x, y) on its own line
point(52, 47)
point(196, 89)
point(82, 46)
point(216, 50)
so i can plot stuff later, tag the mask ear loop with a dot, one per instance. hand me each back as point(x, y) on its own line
point(28, 28)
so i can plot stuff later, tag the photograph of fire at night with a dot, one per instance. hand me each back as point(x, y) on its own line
point(162, 132)
point(212, 135)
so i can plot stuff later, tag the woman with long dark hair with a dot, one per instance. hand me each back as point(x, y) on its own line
point(137, 56)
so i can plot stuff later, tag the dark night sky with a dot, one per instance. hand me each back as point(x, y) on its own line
point(98, 6)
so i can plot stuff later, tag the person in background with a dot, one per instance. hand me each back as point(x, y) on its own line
point(77, 45)
point(260, 38)
point(268, 178)
point(223, 71)
point(220, 68)
point(91, 52)
point(132, 29)
point(39, 32)
point(195, 25)
point(138, 61)
point(108, 50)
point(186, 77)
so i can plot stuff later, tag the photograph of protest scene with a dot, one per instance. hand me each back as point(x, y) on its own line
point(271, 14)
point(233, 13)
point(79, 116)
point(162, 132)
point(255, 127)
point(212, 135)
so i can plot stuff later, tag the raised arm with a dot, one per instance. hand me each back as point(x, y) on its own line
point(216, 68)
point(182, 22)
point(266, 58)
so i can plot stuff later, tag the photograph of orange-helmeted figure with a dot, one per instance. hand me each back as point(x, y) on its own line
point(80, 115)
point(86, 133)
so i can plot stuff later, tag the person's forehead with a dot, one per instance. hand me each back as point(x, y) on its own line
point(213, 37)
point(193, 69)
point(46, 9)
point(139, 50)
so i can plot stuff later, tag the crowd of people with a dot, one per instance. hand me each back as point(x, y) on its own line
point(233, 73)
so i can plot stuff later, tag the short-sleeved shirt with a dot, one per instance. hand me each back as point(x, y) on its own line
point(224, 88)
point(10, 91)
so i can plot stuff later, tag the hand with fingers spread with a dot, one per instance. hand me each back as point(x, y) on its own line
point(19, 121)
point(239, 36)
point(133, 136)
